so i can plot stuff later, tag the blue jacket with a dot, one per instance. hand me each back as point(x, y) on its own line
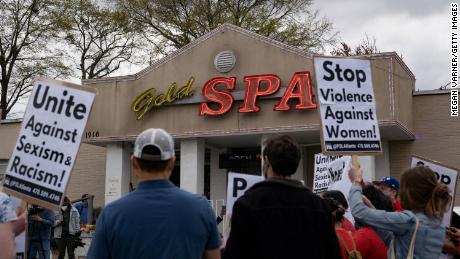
point(430, 234)
point(41, 230)
point(82, 208)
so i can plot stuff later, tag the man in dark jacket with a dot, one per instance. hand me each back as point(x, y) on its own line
point(280, 217)
point(40, 222)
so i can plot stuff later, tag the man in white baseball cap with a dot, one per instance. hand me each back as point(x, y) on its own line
point(157, 220)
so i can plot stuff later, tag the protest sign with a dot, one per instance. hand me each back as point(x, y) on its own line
point(47, 146)
point(445, 174)
point(331, 173)
point(346, 99)
point(237, 185)
point(322, 178)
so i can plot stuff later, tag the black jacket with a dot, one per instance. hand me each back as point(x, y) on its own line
point(281, 219)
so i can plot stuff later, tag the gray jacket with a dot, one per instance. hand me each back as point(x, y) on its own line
point(430, 235)
point(74, 222)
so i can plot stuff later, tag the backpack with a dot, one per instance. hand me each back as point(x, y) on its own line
point(353, 254)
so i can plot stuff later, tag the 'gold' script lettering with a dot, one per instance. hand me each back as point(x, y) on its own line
point(149, 98)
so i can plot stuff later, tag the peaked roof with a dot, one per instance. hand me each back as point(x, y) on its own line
point(231, 27)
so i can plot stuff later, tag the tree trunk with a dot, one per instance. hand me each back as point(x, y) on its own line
point(3, 100)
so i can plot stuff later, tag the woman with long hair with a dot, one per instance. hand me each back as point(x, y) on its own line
point(418, 228)
point(345, 238)
point(340, 198)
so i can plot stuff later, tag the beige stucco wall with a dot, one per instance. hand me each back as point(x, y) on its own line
point(88, 174)
point(403, 86)
point(8, 135)
point(381, 84)
point(437, 136)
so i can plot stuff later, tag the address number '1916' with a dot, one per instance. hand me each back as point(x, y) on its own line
point(91, 134)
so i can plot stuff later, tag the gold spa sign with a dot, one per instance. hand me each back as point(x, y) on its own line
point(151, 98)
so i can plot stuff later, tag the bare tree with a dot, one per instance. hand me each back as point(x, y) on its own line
point(366, 47)
point(171, 24)
point(100, 38)
point(26, 49)
point(445, 86)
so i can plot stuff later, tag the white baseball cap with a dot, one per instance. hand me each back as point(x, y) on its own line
point(158, 138)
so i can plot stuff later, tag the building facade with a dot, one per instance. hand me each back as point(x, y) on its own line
point(214, 97)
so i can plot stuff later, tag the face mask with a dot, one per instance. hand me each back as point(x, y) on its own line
point(386, 190)
point(387, 193)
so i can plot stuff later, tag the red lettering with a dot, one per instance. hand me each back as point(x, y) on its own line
point(220, 101)
point(304, 93)
point(252, 90)
point(223, 99)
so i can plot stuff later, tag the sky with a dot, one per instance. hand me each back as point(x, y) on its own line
point(419, 30)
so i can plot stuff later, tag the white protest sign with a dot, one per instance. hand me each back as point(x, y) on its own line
point(322, 178)
point(331, 173)
point(237, 185)
point(446, 175)
point(347, 106)
point(338, 170)
point(48, 142)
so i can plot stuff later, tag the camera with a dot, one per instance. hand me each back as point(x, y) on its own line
point(34, 210)
point(77, 242)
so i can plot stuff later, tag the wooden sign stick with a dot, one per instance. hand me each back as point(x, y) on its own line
point(354, 161)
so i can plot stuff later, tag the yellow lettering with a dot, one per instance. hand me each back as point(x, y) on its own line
point(143, 97)
point(147, 99)
point(170, 97)
point(143, 102)
point(186, 90)
point(160, 100)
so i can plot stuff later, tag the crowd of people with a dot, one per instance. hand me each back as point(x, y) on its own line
point(43, 227)
point(276, 218)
